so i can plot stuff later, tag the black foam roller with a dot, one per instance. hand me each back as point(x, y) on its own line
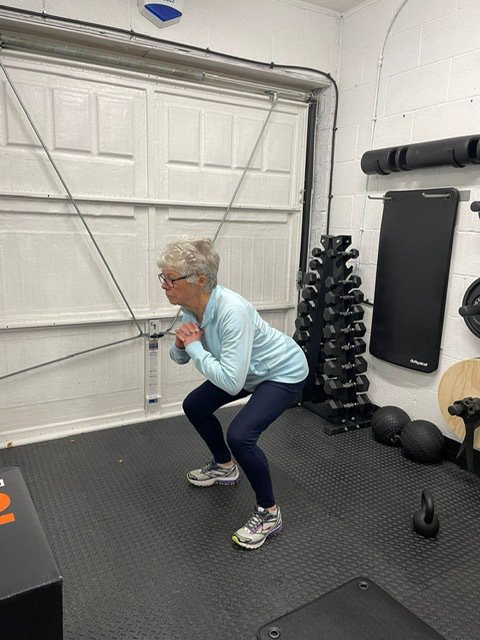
point(380, 161)
point(456, 152)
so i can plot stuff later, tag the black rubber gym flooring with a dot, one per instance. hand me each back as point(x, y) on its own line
point(146, 556)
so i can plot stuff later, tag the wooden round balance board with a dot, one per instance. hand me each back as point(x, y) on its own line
point(462, 380)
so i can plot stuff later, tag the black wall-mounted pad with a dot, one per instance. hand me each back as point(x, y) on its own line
point(30, 582)
point(357, 610)
point(413, 265)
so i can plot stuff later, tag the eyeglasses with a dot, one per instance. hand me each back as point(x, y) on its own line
point(170, 281)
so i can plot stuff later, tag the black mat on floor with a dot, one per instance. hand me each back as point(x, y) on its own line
point(357, 610)
point(146, 556)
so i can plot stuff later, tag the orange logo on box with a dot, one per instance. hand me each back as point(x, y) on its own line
point(4, 504)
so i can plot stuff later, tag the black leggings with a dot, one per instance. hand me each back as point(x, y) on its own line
point(268, 401)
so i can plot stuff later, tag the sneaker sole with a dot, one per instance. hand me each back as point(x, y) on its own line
point(245, 545)
point(212, 481)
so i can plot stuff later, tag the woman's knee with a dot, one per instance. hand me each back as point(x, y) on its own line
point(192, 404)
point(238, 440)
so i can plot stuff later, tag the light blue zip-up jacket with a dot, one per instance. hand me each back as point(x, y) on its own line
point(238, 349)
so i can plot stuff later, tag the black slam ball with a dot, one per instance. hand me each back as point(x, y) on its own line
point(422, 441)
point(387, 423)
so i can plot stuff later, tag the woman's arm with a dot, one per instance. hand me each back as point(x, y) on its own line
point(229, 372)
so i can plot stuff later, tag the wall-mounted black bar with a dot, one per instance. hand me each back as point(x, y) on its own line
point(454, 152)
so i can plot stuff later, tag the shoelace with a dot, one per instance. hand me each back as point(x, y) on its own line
point(212, 464)
point(208, 467)
point(255, 521)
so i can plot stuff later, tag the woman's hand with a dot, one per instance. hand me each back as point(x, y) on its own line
point(186, 334)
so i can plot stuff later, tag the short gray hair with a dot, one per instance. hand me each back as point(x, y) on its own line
point(194, 257)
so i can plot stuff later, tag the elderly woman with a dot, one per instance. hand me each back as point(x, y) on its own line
point(240, 355)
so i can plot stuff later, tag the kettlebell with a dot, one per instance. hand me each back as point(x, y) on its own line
point(425, 520)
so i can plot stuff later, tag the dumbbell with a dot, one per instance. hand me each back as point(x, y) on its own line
point(354, 297)
point(353, 253)
point(332, 315)
point(356, 330)
point(301, 337)
point(303, 322)
point(336, 387)
point(353, 282)
point(305, 308)
point(309, 293)
point(337, 406)
point(332, 349)
point(311, 278)
point(315, 265)
point(336, 368)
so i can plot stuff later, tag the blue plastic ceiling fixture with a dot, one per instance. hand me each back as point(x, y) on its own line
point(161, 14)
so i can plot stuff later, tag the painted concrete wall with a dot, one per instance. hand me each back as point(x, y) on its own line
point(285, 31)
point(429, 89)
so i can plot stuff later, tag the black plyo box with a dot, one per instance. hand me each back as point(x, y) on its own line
point(30, 581)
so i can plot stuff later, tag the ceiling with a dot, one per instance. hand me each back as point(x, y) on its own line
point(337, 5)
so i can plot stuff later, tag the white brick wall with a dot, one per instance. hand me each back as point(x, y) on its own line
point(429, 89)
point(285, 31)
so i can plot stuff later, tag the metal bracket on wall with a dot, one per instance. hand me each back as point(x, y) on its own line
point(464, 196)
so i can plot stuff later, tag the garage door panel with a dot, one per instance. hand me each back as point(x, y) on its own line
point(209, 145)
point(255, 250)
point(17, 129)
point(217, 139)
point(52, 272)
point(95, 132)
point(83, 390)
point(176, 381)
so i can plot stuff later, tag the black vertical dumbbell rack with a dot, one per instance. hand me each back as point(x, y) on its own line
point(330, 331)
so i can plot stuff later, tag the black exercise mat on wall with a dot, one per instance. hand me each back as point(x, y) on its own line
point(412, 276)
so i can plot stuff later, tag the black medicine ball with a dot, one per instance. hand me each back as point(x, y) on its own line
point(422, 441)
point(387, 423)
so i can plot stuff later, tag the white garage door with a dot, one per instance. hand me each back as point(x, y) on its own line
point(147, 160)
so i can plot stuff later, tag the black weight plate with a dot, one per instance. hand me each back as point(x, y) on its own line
point(472, 298)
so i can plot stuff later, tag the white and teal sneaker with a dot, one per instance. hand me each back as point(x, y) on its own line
point(259, 526)
point(212, 473)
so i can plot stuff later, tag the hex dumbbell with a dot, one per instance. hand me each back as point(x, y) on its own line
point(332, 315)
point(333, 349)
point(309, 293)
point(356, 330)
point(352, 253)
point(354, 297)
point(311, 278)
point(352, 282)
point(335, 386)
point(337, 406)
point(301, 337)
point(315, 264)
point(305, 308)
point(303, 322)
point(337, 368)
